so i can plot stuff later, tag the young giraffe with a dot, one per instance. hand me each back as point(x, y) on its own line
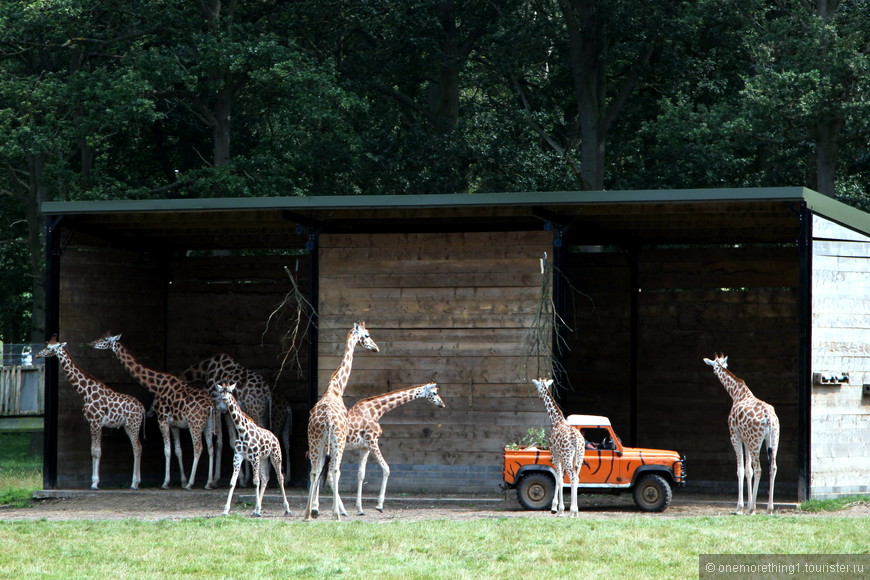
point(103, 407)
point(327, 426)
point(567, 447)
point(751, 422)
point(178, 406)
point(364, 430)
point(252, 393)
point(254, 443)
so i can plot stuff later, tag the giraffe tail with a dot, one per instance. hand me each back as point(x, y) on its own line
point(142, 437)
point(321, 480)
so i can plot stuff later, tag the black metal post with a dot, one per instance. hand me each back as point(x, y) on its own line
point(634, 341)
point(805, 320)
point(53, 252)
point(313, 247)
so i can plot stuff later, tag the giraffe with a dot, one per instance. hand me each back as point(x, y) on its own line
point(252, 393)
point(327, 426)
point(103, 407)
point(567, 448)
point(751, 422)
point(178, 406)
point(254, 443)
point(364, 430)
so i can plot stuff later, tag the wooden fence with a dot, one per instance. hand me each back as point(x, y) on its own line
point(21, 390)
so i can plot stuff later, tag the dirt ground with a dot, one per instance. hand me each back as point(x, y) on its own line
point(174, 504)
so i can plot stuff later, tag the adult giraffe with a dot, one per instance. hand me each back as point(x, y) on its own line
point(751, 422)
point(364, 430)
point(102, 407)
point(178, 406)
point(327, 426)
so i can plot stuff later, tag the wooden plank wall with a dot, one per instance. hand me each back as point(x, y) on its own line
point(692, 302)
point(102, 289)
point(840, 432)
point(446, 307)
point(172, 312)
point(232, 304)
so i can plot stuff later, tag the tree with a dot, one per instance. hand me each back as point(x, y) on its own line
point(66, 93)
point(808, 88)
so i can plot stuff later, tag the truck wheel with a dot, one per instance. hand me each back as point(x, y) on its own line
point(652, 493)
point(536, 490)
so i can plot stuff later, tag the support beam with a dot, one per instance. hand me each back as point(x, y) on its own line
point(805, 352)
point(53, 252)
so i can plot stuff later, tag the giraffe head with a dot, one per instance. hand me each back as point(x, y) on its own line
point(362, 336)
point(52, 348)
point(223, 392)
point(543, 385)
point(106, 343)
point(430, 393)
point(719, 360)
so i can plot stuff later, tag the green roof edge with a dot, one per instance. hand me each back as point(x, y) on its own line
point(818, 203)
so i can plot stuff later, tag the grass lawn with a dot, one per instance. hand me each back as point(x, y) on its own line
point(242, 547)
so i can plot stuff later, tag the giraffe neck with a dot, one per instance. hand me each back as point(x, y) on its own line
point(381, 404)
point(141, 373)
point(240, 419)
point(74, 374)
point(735, 387)
point(338, 382)
point(553, 410)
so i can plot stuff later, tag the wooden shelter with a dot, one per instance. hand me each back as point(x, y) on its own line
point(464, 289)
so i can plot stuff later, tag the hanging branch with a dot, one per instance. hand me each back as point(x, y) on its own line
point(304, 320)
point(539, 354)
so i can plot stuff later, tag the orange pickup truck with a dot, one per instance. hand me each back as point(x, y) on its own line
point(649, 474)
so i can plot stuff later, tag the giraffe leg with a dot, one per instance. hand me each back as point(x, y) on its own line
point(237, 463)
point(255, 470)
point(318, 458)
point(167, 451)
point(96, 452)
point(576, 464)
point(276, 464)
point(771, 467)
point(360, 477)
point(376, 451)
point(212, 440)
point(335, 474)
point(132, 428)
point(558, 500)
point(264, 478)
point(196, 435)
point(176, 443)
point(738, 450)
point(753, 468)
point(217, 451)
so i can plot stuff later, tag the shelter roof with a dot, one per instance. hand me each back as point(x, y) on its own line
point(696, 216)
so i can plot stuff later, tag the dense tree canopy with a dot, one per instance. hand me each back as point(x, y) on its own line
point(101, 99)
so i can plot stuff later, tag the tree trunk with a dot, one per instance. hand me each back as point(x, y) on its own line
point(587, 38)
point(443, 97)
point(827, 140)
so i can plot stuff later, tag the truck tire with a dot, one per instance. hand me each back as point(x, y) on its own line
point(652, 493)
point(535, 491)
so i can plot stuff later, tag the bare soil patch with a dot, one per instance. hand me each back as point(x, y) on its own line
point(158, 504)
